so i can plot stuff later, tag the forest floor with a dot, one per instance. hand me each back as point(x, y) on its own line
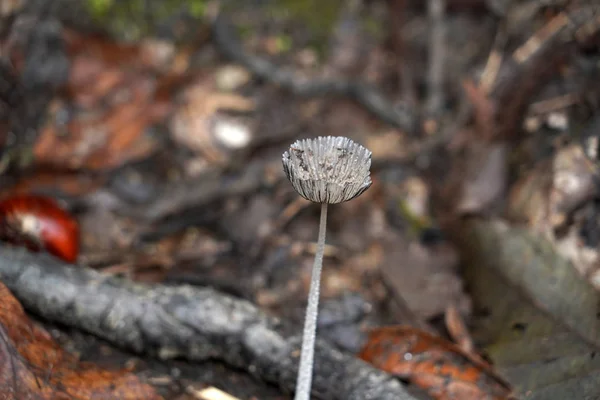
point(162, 131)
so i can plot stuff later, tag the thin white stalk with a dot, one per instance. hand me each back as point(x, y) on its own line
point(305, 371)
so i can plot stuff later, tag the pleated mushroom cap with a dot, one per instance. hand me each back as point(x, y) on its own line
point(330, 169)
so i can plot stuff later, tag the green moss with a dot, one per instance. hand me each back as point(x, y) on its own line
point(416, 224)
point(318, 15)
point(283, 43)
point(132, 19)
point(320, 18)
point(198, 8)
point(100, 8)
point(373, 27)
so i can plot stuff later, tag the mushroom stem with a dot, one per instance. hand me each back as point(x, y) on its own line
point(305, 371)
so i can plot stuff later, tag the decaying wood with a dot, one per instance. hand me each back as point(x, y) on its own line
point(184, 322)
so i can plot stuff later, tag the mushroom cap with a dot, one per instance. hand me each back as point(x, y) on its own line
point(330, 169)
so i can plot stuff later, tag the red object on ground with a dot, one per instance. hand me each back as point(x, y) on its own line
point(39, 223)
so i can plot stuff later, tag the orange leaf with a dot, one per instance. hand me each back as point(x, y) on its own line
point(436, 365)
point(100, 119)
point(33, 366)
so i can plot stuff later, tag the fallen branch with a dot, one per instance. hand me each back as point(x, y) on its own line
point(184, 322)
point(198, 192)
point(365, 95)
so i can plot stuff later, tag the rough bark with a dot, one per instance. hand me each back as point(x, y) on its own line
point(185, 322)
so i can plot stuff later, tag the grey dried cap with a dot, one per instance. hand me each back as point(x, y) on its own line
point(329, 169)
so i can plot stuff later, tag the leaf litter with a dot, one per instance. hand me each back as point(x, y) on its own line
point(200, 215)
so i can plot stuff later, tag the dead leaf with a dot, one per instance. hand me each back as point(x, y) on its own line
point(438, 366)
point(575, 179)
point(387, 145)
point(9, 7)
point(535, 317)
point(197, 125)
point(458, 331)
point(55, 182)
point(115, 92)
point(528, 199)
point(231, 77)
point(484, 109)
point(556, 199)
point(485, 180)
point(33, 366)
point(425, 277)
point(531, 264)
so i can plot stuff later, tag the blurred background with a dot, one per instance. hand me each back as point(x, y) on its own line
point(159, 126)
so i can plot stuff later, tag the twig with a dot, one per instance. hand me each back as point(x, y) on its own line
point(368, 97)
point(555, 103)
point(437, 45)
point(538, 60)
point(200, 192)
point(186, 322)
point(494, 61)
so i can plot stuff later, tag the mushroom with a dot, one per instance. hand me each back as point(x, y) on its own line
point(325, 170)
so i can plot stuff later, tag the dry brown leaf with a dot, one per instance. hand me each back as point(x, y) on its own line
point(552, 199)
point(196, 124)
point(33, 366)
point(55, 182)
point(434, 364)
point(485, 180)
point(7, 7)
point(574, 181)
point(115, 92)
point(426, 278)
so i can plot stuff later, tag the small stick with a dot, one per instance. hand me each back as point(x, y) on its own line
point(437, 45)
point(494, 61)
